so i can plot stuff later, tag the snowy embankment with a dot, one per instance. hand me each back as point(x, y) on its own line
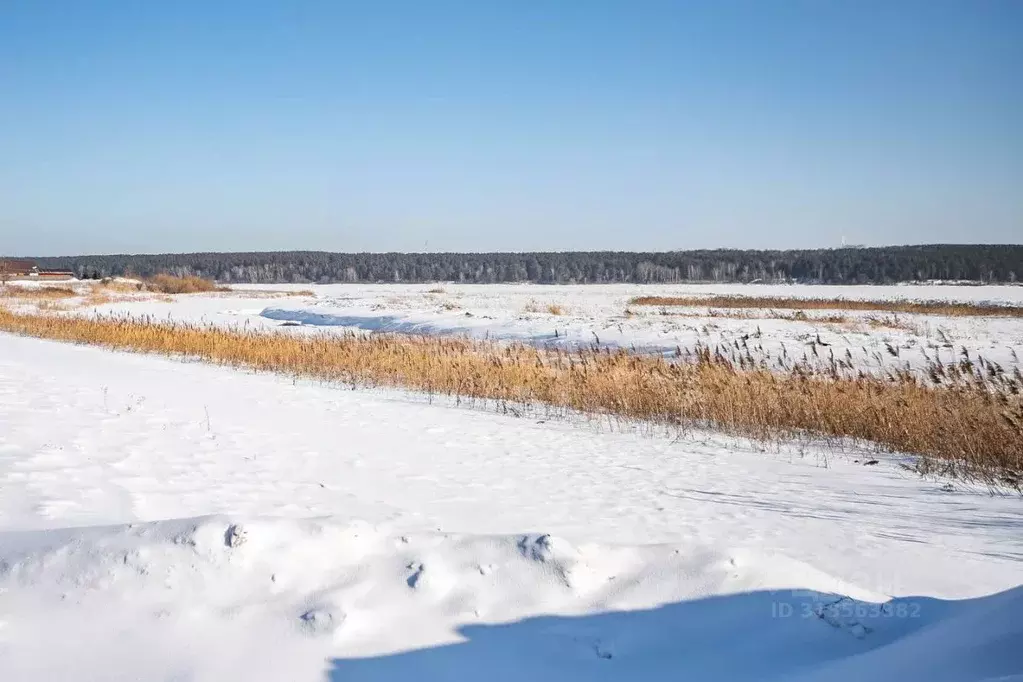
point(288, 530)
point(268, 600)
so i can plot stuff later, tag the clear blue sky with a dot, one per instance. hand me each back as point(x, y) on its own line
point(536, 125)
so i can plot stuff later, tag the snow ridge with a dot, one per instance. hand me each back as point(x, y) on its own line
point(216, 595)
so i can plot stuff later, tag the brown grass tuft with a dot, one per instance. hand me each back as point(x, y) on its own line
point(549, 308)
point(949, 309)
point(966, 421)
point(171, 284)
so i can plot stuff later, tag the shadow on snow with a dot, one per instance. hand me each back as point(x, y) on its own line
point(790, 634)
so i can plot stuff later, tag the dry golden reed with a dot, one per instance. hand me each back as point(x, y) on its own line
point(946, 308)
point(555, 309)
point(171, 284)
point(967, 421)
point(42, 293)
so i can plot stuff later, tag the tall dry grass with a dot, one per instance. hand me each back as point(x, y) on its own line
point(172, 284)
point(965, 421)
point(36, 293)
point(950, 309)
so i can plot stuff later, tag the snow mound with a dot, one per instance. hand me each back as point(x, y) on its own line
point(217, 598)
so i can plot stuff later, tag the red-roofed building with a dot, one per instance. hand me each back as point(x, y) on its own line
point(21, 269)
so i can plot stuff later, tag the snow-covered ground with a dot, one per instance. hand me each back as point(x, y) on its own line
point(602, 314)
point(164, 520)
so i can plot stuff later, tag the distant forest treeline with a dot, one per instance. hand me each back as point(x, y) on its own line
point(986, 263)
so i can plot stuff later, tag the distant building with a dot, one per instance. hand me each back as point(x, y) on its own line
point(12, 269)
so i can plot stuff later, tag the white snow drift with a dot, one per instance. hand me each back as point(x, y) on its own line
point(211, 599)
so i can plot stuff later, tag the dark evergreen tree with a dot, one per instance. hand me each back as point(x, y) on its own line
point(884, 265)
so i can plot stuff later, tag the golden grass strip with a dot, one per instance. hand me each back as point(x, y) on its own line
point(947, 308)
point(40, 293)
point(971, 430)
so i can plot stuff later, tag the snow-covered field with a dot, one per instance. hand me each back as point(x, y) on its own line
point(603, 315)
point(163, 520)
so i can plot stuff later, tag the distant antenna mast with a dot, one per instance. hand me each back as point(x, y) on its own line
point(843, 241)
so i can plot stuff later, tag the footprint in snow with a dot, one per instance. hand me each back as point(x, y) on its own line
point(321, 621)
point(235, 536)
point(418, 571)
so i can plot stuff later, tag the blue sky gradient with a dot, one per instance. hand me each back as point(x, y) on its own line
point(478, 126)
